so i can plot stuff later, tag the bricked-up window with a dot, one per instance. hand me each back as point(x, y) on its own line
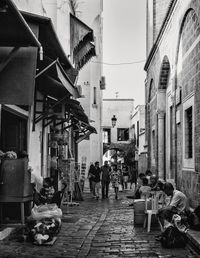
point(122, 134)
point(188, 134)
point(106, 135)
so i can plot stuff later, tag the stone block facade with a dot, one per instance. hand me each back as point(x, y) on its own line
point(173, 68)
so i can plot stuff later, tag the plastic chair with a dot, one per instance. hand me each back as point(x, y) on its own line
point(157, 197)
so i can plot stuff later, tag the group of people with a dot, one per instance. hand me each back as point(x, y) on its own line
point(146, 183)
point(175, 203)
point(101, 177)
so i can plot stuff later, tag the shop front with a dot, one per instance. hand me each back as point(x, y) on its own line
point(38, 111)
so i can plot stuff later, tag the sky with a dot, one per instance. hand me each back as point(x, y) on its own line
point(124, 41)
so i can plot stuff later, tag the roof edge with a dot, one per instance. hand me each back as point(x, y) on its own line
point(161, 32)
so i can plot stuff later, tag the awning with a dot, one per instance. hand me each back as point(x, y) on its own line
point(74, 107)
point(53, 81)
point(14, 29)
point(80, 118)
point(85, 133)
point(17, 79)
point(47, 36)
point(18, 55)
point(80, 37)
point(84, 55)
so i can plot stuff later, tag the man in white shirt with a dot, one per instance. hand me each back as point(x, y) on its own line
point(178, 204)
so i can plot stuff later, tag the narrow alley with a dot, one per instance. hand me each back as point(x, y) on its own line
point(102, 228)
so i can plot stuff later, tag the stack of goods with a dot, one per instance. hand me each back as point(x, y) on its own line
point(44, 224)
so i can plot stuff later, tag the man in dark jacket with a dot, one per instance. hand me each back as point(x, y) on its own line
point(105, 179)
point(95, 177)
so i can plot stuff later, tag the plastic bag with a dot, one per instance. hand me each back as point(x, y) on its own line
point(46, 211)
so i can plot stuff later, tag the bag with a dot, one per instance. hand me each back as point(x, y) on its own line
point(120, 188)
point(46, 211)
point(173, 238)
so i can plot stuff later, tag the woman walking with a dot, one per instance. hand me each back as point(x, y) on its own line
point(115, 179)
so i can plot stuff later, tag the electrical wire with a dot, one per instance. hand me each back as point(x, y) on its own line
point(128, 63)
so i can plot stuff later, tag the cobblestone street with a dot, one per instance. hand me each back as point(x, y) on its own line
point(102, 228)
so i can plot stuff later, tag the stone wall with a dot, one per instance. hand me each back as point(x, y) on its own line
point(180, 42)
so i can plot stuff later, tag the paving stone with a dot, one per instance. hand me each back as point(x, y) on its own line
point(97, 229)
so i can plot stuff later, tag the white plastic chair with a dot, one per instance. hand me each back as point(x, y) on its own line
point(156, 200)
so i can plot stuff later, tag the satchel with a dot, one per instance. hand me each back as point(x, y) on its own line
point(173, 238)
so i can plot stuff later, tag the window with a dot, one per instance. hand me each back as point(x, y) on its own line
point(188, 134)
point(153, 144)
point(137, 142)
point(122, 134)
point(106, 135)
point(170, 136)
point(95, 96)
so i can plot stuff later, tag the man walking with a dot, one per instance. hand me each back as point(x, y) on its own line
point(95, 177)
point(105, 179)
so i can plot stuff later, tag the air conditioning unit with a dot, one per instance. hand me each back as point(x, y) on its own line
point(103, 83)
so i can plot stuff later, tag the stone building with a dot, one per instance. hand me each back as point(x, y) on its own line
point(92, 83)
point(138, 135)
point(118, 135)
point(172, 93)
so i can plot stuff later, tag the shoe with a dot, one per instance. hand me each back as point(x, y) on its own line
point(131, 204)
point(97, 197)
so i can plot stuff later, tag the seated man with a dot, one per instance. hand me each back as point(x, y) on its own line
point(178, 205)
point(155, 183)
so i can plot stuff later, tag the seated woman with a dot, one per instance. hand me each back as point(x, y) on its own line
point(138, 185)
point(145, 189)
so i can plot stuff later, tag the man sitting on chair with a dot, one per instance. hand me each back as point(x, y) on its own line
point(178, 205)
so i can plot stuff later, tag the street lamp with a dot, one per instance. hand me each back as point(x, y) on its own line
point(114, 120)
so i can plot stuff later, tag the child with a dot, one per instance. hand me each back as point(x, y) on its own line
point(115, 179)
point(47, 192)
point(144, 190)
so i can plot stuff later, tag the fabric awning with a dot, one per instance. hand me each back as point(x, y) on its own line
point(53, 81)
point(52, 47)
point(75, 108)
point(18, 55)
point(17, 79)
point(81, 37)
point(84, 55)
point(14, 29)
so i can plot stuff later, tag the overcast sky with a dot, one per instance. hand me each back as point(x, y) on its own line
point(124, 41)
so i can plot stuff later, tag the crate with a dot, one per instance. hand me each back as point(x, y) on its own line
point(139, 211)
